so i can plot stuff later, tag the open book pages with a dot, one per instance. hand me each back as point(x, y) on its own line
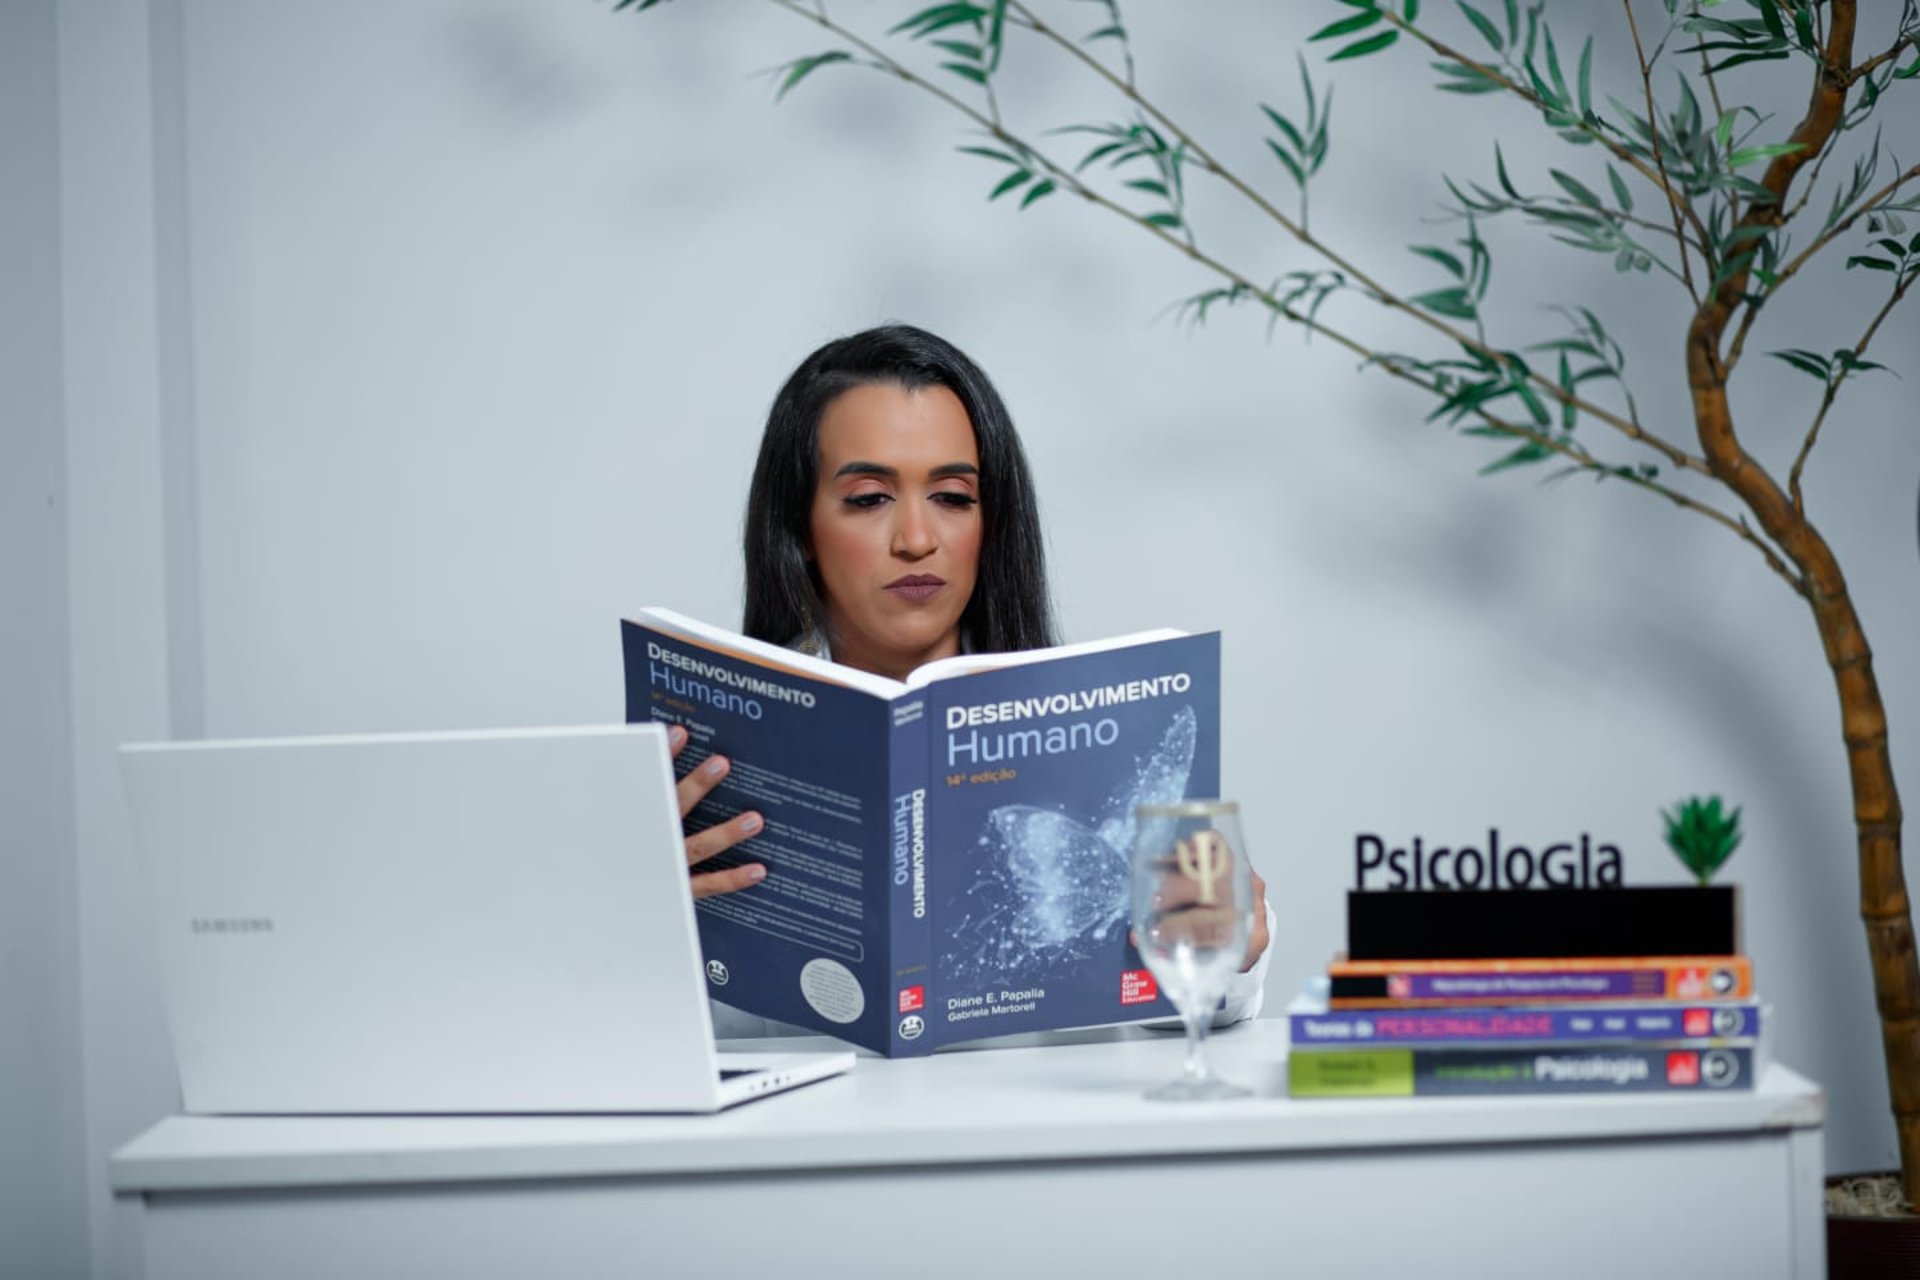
point(774, 655)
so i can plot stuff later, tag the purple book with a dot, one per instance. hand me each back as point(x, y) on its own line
point(1312, 1024)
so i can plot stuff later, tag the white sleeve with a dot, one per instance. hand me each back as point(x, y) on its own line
point(1247, 991)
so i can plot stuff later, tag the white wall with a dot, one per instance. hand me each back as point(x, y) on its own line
point(473, 311)
point(42, 1189)
point(113, 80)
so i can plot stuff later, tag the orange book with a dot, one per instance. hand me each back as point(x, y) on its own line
point(1362, 984)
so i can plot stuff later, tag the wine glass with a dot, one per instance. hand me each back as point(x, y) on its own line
point(1192, 914)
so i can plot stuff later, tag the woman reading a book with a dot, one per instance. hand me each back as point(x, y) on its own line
point(891, 522)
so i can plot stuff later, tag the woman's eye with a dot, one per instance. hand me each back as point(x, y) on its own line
point(957, 500)
point(865, 501)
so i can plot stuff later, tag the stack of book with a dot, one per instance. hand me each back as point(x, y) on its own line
point(1531, 991)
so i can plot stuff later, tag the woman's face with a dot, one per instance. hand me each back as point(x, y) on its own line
point(895, 529)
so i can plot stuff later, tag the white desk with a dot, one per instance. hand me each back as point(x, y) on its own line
point(1008, 1163)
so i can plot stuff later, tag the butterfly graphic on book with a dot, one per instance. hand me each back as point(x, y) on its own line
point(1051, 888)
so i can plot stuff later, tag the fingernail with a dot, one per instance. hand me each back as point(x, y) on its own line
point(714, 767)
point(676, 737)
point(756, 873)
point(751, 824)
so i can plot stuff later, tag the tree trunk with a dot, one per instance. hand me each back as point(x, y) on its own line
point(1884, 906)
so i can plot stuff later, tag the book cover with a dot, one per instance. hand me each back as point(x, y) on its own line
point(1405, 1073)
point(1311, 1024)
point(1358, 984)
point(948, 857)
point(1648, 920)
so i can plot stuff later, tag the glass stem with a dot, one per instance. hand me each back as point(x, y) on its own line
point(1196, 1023)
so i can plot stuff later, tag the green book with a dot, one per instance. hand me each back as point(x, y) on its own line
point(1406, 1073)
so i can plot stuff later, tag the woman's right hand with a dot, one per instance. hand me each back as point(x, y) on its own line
point(702, 845)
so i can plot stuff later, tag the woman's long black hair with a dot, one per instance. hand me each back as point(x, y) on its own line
point(1010, 608)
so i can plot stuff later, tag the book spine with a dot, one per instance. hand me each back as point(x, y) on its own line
point(808, 945)
point(1405, 1073)
point(1361, 984)
point(1610, 1024)
point(909, 916)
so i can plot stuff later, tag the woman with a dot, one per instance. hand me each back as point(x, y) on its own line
point(891, 521)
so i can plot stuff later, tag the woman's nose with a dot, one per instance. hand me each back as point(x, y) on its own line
point(913, 532)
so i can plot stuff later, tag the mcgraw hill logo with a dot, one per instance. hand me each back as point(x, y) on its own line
point(231, 924)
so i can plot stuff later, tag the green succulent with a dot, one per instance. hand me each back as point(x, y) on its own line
point(1701, 836)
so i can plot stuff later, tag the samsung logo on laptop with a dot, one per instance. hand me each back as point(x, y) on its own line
point(231, 924)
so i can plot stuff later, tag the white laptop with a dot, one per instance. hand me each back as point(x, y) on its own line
point(423, 923)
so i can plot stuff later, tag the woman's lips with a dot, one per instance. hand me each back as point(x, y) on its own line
point(915, 587)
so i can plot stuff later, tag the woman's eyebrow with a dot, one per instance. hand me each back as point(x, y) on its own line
point(880, 469)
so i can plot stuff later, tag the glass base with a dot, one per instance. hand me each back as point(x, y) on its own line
point(1209, 1089)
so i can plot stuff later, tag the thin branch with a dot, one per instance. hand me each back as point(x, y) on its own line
point(1833, 389)
point(1666, 185)
point(1706, 72)
point(1385, 297)
point(1906, 40)
point(1070, 181)
point(1739, 527)
point(1801, 259)
point(1655, 173)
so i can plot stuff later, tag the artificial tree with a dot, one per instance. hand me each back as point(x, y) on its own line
point(1673, 181)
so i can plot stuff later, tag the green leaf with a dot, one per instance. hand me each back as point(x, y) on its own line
point(1573, 187)
point(1346, 26)
point(1526, 453)
point(1803, 28)
point(939, 18)
point(1535, 405)
point(1872, 264)
point(1409, 10)
point(1483, 24)
point(1500, 169)
point(1621, 195)
point(1586, 78)
point(1039, 189)
point(1747, 155)
point(1287, 162)
point(966, 71)
point(1553, 65)
point(1454, 303)
point(1567, 409)
point(1011, 181)
point(1845, 359)
point(1806, 362)
point(1441, 256)
point(1149, 185)
point(1372, 44)
point(800, 68)
point(1168, 220)
point(987, 152)
point(1285, 126)
point(1770, 15)
point(961, 49)
point(1740, 59)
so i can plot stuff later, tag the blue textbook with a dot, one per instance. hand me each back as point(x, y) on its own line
point(947, 857)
